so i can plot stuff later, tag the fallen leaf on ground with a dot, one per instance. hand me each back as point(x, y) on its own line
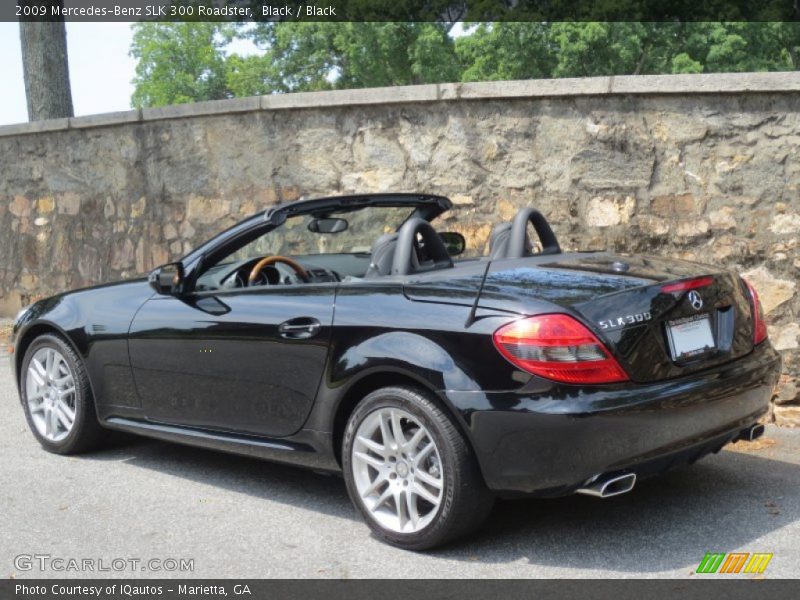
point(753, 446)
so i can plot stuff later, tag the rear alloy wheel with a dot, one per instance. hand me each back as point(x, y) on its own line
point(57, 397)
point(410, 472)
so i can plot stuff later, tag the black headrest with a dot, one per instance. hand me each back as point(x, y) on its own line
point(382, 255)
point(405, 256)
point(511, 240)
point(498, 240)
point(519, 243)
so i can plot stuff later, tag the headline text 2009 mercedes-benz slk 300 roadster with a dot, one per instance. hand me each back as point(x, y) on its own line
point(347, 334)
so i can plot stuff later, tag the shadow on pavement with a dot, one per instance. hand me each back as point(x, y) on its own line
point(724, 503)
point(721, 504)
point(261, 479)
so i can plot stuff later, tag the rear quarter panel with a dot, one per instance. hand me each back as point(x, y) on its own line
point(379, 330)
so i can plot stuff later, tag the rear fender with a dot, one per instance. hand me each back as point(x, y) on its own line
point(400, 355)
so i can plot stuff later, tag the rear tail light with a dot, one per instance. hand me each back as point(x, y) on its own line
point(759, 325)
point(558, 347)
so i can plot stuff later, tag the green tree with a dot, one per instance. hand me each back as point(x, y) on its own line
point(740, 47)
point(183, 62)
point(525, 50)
point(320, 56)
point(179, 62)
point(503, 51)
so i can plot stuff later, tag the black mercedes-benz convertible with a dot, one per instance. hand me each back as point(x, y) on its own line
point(347, 334)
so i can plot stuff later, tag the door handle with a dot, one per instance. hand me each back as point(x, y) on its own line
point(300, 328)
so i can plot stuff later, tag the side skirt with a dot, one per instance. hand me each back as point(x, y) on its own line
point(307, 448)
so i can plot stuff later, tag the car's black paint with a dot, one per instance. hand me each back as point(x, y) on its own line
point(234, 371)
point(546, 438)
point(214, 369)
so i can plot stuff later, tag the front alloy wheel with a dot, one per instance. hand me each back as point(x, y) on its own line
point(57, 397)
point(50, 393)
point(410, 471)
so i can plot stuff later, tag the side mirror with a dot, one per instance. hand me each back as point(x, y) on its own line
point(454, 242)
point(167, 279)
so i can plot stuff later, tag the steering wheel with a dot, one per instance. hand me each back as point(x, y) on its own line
point(271, 260)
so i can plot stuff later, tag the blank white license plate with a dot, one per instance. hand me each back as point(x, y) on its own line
point(690, 336)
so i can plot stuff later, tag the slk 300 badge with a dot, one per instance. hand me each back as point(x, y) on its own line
point(617, 322)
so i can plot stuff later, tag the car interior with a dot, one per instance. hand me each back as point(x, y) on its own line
point(413, 248)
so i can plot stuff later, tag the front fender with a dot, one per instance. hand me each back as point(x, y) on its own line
point(95, 321)
point(56, 314)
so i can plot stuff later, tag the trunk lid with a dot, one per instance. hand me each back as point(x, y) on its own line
point(655, 333)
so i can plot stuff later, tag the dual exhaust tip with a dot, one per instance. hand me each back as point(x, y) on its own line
point(752, 433)
point(608, 486)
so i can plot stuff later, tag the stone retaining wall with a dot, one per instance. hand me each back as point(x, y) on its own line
point(704, 167)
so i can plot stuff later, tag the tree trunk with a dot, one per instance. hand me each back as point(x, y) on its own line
point(46, 69)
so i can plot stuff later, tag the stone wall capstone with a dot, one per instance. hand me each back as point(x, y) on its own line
point(701, 167)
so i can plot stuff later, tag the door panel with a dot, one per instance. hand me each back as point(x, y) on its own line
point(248, 361)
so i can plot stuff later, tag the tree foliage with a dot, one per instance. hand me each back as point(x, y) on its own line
point(179, 62)
point(190, 61)
point(320, 56)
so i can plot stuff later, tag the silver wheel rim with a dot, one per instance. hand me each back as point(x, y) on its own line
point(397, 470)
point(50, 393)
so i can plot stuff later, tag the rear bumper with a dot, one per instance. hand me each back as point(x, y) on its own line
point(548, 440)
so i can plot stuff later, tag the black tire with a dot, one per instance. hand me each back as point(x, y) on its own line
point(86, 433)
point(466, 501)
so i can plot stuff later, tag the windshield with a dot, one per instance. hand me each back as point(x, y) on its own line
point(295, 238)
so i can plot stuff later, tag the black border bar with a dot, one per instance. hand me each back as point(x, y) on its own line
point(400, 10)
point(702, 587)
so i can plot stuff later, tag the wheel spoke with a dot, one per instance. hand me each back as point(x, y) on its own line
point(64, 416)
point(64, 382)
point(374, 486)
point(54, 420)
point(37, 371)
point(401, 508)
point(50, 362)
point(40, 368)
point(66, 392)
point(425, 494)
point(397, 429)
point(382, 499)
point(48, 422)
point(67, 410)
point(370, 460)
point(422, 454)
point(36, 407)
point(37, 394)
point(411, 507)
point(428, 479)
point(415, 439)
point(372, 445)
point(386, 431)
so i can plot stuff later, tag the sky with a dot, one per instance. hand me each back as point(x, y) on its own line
point(100, 69)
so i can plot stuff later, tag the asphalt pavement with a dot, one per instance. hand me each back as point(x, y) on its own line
point(142, 501)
